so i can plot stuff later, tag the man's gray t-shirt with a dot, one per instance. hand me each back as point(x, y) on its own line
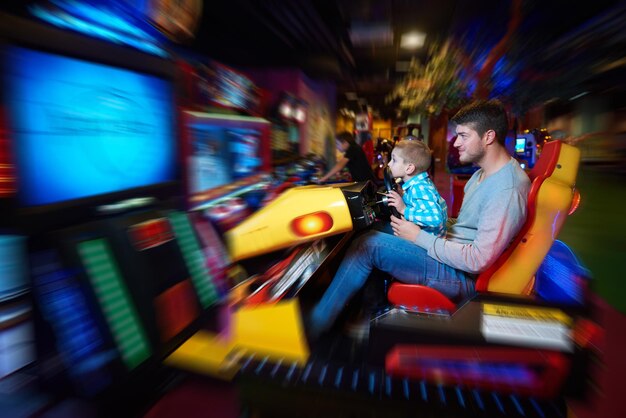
point(492, 213)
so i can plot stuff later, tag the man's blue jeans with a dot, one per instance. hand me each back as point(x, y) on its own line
point(399, 257)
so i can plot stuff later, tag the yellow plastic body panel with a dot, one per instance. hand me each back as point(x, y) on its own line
point(206, 353)
point(274, 331)
point(271, 331)
point(554, 198)
point(269, 229)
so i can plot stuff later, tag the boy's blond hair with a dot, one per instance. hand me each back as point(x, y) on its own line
point(415, 152)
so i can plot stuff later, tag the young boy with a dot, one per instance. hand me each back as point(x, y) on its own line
point(421, 202)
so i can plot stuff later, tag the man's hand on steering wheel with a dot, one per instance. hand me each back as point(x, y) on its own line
point(394, 199)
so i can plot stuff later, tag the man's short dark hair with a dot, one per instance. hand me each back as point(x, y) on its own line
point(345, 136)
point(483, 115)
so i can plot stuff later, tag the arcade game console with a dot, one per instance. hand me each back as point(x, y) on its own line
point(116, 272)
point(525, 150)
point(303, 214)
point(460, 352)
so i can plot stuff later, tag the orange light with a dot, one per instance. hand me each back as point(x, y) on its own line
point(575, 202)
point(312, 224)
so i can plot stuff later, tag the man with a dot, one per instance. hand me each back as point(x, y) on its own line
point(493, 211)
point(354, 158)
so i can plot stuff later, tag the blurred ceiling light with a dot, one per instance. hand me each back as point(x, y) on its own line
point(412, 40)
point(578, 96)
point(611, 65)
point(367, 34)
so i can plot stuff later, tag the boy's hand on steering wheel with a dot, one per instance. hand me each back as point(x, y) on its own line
point(394, 199)
point(405, 229)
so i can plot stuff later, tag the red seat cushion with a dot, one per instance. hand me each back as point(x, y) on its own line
point(419, 297)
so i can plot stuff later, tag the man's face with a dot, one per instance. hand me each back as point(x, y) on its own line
point(470, 145)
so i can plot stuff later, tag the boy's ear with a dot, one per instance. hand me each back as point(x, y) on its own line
point(410, 169)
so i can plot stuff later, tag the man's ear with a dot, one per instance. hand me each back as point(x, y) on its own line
point(490, 137)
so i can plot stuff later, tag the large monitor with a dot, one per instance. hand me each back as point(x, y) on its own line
point(82, 129)
point(87, 122)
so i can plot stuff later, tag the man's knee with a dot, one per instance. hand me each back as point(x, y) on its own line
point(361, 241)
point(367, 241)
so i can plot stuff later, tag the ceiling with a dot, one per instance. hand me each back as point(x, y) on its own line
point(558, 48)
point(355, 43)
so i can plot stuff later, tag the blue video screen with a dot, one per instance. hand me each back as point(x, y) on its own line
point(221, 155)
point(82, 129)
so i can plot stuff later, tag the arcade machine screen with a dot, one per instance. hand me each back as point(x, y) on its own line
point(225, 155)
point(221, 155)
point(231, 89)
point(83, 129)
point(520, 145)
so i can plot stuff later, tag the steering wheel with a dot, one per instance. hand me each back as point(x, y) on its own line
point(390, 185)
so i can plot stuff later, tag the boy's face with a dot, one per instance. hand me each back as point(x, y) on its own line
point(397, 165)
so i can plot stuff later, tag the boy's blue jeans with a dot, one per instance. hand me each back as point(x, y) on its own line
point(399, 257)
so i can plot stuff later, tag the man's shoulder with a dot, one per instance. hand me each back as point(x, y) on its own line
point(512, 176)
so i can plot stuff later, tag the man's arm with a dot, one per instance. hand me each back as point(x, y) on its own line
point(503, 217)
point(337, 168)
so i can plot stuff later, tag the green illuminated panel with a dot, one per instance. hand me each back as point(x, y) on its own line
point(115, 301)
point(194, 259)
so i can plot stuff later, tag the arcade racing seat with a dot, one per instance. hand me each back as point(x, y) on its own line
point(499, 334)
point(551, 198)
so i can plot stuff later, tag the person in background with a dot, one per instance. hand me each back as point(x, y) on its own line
point(353, 157)
point(420, 203)
point(493, 211)
point(368, 147)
